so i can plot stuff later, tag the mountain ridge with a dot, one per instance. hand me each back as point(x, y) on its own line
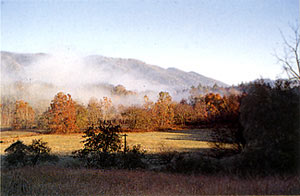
point(114, 71)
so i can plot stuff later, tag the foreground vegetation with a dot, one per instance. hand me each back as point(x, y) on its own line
point(53, 180)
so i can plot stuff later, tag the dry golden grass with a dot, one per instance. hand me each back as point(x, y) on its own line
point(63, 179)
point(59, 144)
point(152, 142)
point(51, 180)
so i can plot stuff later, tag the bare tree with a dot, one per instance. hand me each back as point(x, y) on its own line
point(290, 58)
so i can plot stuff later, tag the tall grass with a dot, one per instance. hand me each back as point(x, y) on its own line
point(53, 180)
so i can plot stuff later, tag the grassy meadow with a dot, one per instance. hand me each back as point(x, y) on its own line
point(68, 178)
point(152, 142)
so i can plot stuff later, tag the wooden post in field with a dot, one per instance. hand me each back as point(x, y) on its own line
point(125, 143)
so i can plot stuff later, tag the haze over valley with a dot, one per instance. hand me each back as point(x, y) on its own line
point(39, 76)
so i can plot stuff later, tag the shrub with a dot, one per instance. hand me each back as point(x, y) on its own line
point(103, 138)
point(102, 148)
point(188, 163)
point(20, 154)
point(100, 142)
point(226, 135)
point(133, 158)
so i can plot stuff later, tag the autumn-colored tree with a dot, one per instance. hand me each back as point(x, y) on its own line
point(200, 110)
point(43, 120)
point(108, 110)
point(148, 104)
point(164, 111)
point(228, 128)
point(23, 115)
point(120, 90)
point(62, 114)
point(7, 111)
point(133, 116)
point(81, 116)
point(231, 107)
point(148, 113)
point(94, 110)
point(137, 118)
point(183, 113)
point(214, 104)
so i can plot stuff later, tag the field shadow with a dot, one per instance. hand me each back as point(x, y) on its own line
point(20, 130)
point(191, 135)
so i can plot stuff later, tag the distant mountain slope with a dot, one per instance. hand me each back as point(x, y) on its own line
point(133, 74)
point(171, 77)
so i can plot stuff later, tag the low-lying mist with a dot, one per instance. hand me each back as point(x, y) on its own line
point(37, 79)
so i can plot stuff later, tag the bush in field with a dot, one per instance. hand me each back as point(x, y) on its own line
point(102, 148)
point(133, 158)
point(188, 163)
point(100, 141)
point(103, 138)
point(19, 154)
point(270, 117)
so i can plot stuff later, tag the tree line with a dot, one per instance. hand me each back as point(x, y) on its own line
point(64, 115)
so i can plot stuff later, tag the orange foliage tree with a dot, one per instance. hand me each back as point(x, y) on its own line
point(23, 115)
point(183, 113)
point(214, 104)
point(200, 110)
point(163, 111)
point(223, 108)
point(135, 117)
point(62, 114)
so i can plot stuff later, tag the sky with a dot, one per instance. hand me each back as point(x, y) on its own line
point(232, 41)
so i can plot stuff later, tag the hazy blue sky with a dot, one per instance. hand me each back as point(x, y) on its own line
point(229, 40)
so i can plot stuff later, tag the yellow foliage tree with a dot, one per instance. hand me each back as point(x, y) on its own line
point(164, 111)
point(23, 115)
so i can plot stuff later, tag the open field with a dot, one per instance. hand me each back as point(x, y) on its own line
point(52, 180)
point(152, 142)
point(68, 177)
